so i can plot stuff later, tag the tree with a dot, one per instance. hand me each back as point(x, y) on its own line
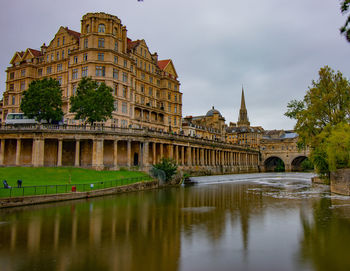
point(325, 105)
point(43, 100)
point(93, 102)
point(168, 166)
point(345, 29)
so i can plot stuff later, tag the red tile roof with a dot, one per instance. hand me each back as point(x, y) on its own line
point(133, 44)
point(35, 53)
point(163, 63)
point(75, 34)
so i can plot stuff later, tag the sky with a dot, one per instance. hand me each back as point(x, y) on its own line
point(274, 48)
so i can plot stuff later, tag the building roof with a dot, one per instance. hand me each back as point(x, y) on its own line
point(163, 63)
point(34, 52)
point(133, 44)
point(75, 34)
point(213, 111)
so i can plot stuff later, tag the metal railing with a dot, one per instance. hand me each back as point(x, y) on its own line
point(66, 188)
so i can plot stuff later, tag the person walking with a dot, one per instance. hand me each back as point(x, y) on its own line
point(19, 183)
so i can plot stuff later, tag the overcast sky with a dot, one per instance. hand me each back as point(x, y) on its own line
point(273, 47)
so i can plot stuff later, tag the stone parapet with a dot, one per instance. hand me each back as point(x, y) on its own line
point(340, 181)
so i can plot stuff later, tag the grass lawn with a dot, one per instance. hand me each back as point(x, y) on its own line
point(60, 180)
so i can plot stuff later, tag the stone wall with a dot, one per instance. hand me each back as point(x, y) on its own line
point(29, 200)
point(340, 181)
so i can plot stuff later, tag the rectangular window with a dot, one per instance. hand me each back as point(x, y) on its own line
point(125, 77)
point(175, 108)
point(58, 42)
point(85, 57)
point(169, 85)
point(62, 54)
point(23, 73)
point(75, 59)
point(158, 82)
point(115, 73)
point(175, 121)
point(59, 67)
point(158, 94)
point(175, 87)
point(40, 72)
point(150, 91)
point(13, 100)
point(84, 71)
point(142, 100)
point(101, 56)
point(143, 76)
point(131, 96)
point(116, 46)
point(101, 43)
point(124, 108)
point(74, 90)
point(63, 40)
point(116, 60)
point(125, 92)
point(169, 107)
point(12, 75)
point(48, 70)
point(59, 79)
point(151, 79)
point(57, 55)
point(169, 96)
point(116, 106)
point(86, 43)
point(75, 74)
point(142, 88)
point(116, 89)
point(125, 63)
point(175, 98)
point(12, 87)
point(169, 120)
point(124, 123)
point(100, 71)
point(23, 85)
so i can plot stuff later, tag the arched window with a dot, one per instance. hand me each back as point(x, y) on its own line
point(87, 28)
point(101, 28)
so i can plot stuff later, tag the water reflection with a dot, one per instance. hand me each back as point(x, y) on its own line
point(249, 222)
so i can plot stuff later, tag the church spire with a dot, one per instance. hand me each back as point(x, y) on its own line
point(243, 114)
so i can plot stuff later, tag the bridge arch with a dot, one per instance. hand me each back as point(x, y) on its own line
point(296, 164)
point(274, 163)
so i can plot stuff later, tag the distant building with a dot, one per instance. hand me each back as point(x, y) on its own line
point(146, 90)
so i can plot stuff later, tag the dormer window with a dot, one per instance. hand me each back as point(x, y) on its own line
point(101, 28)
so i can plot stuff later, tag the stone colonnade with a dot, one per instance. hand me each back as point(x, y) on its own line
point(113, 151)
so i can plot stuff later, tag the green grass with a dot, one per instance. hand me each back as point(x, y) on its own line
point(60, 180)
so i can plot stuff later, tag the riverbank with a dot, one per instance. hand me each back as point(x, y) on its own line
point(38, 199)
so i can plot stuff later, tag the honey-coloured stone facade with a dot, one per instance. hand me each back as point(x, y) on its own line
point(146, 90)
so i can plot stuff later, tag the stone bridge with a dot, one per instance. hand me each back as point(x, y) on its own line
point(274, 150)
point(113, 148)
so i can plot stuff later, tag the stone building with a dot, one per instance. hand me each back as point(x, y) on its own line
point(210, 126)
point(242, 133)
point(146, 90)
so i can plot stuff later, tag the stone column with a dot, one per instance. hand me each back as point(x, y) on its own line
point(128, 151)
point(194, 156)
point(115, 154)
point(182, 155)
point(177, 154)
point(189, 156)
point(18, 152)
point(59, 153)
point(145, 154)
point(171, 151)
point(97, 154)
point(77, 153)
point(161, 151)
point(38, 152)
point(2, 152)
point(154, 145)
point(202, 157)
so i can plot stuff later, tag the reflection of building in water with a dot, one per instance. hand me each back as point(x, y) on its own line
point(110, 233)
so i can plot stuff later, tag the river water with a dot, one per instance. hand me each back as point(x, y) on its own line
point(272, 221)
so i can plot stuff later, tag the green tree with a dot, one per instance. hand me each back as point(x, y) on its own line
point(325, 105)
point(43, 100)
point(168, 166)
point(345, 29)
point(93, 102)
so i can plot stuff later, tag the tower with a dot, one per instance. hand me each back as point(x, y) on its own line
point(243, 114)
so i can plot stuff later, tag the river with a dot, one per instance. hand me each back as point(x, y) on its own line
point(267, 221)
